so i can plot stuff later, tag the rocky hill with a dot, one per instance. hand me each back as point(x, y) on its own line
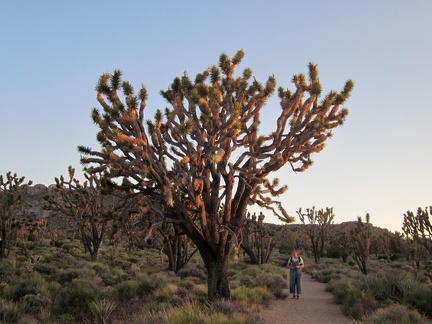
point(33, 205)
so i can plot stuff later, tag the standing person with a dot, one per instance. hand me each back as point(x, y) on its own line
point(295, 264)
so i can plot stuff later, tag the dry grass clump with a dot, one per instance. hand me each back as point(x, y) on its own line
point(395, 313)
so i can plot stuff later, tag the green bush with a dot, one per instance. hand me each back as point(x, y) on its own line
point(355, 302)
point(64, 276)
point(190, 271)
point(110, 276)
point(76, 296)
point(277, 284)
point(323, 276)
point(45, 268)
point(34, 304)
point(395, 313)
point(190, 312)
point(359, 304)
point(421, 299)
point(66, 319)
point(341, 289)
point(32, 284)
point(333, 252)
point(255, 295)
point(396, 256)
point(391, 285)
point(129, 289)
point(9, 311)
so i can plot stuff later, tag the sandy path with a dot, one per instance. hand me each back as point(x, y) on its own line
point(314, 306)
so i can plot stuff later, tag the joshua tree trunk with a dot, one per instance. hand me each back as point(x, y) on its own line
point(217, 276)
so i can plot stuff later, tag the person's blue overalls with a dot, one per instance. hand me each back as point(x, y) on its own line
point(295, 264)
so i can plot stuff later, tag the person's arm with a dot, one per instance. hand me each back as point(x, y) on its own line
point(289, 264)
point(301, 266)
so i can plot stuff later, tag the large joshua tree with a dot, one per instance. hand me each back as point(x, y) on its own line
point(204, 155)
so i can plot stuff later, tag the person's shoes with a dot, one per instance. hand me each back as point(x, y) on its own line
point(298, 296)
point(294, 296)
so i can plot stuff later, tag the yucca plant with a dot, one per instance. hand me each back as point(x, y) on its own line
point(102, 309)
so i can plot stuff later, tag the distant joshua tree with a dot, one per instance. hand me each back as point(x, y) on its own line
point(259, 239)
point(318, 229)
point(206, 151)
point(11, 188)
point(88, 205)
point(361, 238)
point(419, 227)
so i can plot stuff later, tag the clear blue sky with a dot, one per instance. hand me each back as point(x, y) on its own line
point(53, 52)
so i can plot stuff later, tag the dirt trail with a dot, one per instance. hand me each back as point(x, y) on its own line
point(314, 306)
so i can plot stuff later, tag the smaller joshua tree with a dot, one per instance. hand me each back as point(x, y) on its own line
point(361, 240)
point(419, 227)
point(10, 197)
point(88, 205)
point(259, 239)
point(319, 227)
point(342, 241)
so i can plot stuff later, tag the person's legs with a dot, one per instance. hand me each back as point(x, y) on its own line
point(292, 282)
point(299, 283)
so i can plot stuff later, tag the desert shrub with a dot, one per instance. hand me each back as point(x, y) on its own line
point(359, 304)
point(76, 296)
point(248, 276)
point(32, 284)
point(45, 268)
point(396, 256)
point(167, 294)
point(66, 319)
point(193, 312)
point(285, 249)
point(224, 307)
point(341, 288)
point(391, 285)
point(276, 285)
point(199, 292)
point(62, 259)
point(395, 313)
point(250, 296)
point(190, 271)
point(356, 303)
point(35, 303)
point(64, 276)
point(7, 270)
point(186, 283)
point(128, 289)
point(331, 274)
point(333, 252)
point(159, 279)
point(424, 278)
point(261, 296)
point(323, 276)
point(9, 311)
point(109, 275)
point(421, 299)
point(189, 312)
